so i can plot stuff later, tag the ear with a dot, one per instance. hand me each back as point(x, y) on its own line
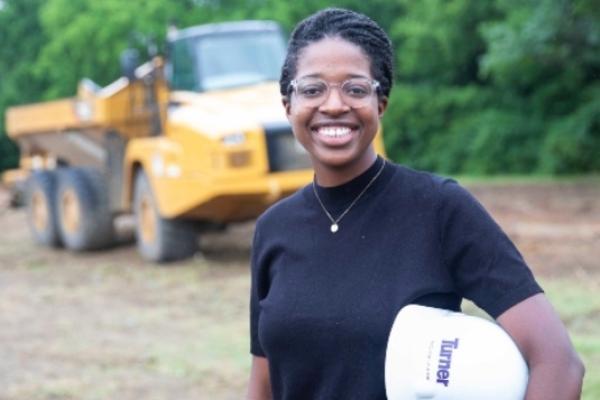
point(382, 105)
point(286, 104)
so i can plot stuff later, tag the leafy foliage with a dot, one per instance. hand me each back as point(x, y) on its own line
point(499, 86)
point(19, 29)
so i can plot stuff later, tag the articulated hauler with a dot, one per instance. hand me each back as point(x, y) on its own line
point(195, 140)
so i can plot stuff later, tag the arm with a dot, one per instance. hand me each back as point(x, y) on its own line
point(555, 370)
point(259, 387)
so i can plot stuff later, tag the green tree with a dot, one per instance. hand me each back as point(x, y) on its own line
point(482, 86)
point(498, 86)
point(547, 53)
point(21, 38)
point(430, 123)
point(85, 37)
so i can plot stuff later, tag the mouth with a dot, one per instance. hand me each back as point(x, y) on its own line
point(334, 135)
point(334, 131)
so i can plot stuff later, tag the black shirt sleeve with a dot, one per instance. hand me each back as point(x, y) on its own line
point(486, 266)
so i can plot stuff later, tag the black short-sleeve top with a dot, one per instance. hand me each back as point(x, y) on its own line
point(322, 303)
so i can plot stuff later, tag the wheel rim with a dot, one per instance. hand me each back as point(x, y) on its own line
point(39, 211)
point(71, 211)
point(147, 222)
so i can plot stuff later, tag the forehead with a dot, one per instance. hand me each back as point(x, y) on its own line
point(333, 58)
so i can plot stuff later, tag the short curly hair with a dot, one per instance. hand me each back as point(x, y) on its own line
point(351, 26)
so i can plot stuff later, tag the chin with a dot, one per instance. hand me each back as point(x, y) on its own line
point(336, 160)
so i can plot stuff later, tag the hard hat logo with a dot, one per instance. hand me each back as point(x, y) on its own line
point(443, 372)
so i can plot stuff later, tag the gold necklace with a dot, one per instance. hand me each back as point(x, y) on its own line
point(334, 221)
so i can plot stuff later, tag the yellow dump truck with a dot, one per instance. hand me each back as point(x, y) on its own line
point(193, 140)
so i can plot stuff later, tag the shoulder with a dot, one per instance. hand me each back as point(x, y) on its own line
point(419, 179)
point(423, 185)
point(422, 181)
point(422, 191)
point(283, 213)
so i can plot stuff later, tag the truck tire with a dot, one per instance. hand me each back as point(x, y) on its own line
point(40, 203)
point(160, 239)
point(84, 218)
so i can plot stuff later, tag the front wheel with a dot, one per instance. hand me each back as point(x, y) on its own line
point(160, 239)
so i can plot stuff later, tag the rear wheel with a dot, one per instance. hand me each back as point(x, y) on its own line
point(40, 201)
point(160, 239)
point(84, 218)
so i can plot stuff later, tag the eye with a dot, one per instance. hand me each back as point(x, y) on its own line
point(312, 89)
point(356, 89)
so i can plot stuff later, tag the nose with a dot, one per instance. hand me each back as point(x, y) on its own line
point(333, 102)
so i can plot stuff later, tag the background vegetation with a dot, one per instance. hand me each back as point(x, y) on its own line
point(483, 87)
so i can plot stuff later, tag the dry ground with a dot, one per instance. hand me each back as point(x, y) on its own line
point(109, 326)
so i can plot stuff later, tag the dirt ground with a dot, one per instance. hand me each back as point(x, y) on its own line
point(107, 325)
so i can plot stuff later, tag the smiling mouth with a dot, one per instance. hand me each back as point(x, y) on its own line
point(333, 131)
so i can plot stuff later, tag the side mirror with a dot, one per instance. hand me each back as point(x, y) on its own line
point(130, 59)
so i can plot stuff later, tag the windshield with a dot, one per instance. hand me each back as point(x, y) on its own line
point(227, 60)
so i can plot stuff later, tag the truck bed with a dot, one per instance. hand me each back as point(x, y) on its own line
point(51, 116)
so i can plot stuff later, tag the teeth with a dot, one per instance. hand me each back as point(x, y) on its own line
point(334, 131)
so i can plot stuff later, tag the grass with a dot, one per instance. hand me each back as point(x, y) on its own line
point(207, 347)
point(108, 326)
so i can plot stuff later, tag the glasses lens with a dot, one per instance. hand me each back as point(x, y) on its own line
point(313, 92)
point(357, 89)
point(312, 89)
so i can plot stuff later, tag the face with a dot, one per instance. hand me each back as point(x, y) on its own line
point(337, 136)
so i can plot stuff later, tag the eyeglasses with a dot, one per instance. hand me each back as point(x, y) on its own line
point(355, 92)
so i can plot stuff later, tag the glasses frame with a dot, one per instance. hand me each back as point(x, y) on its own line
point(375, 85)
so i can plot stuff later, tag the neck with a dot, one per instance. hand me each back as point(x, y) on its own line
point(329, 176)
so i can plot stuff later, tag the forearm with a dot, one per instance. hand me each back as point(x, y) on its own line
point(556, 380)
point(258, 395)
point(555, 370)
point(259, 385)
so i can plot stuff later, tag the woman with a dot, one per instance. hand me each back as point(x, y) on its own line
point(334, 263)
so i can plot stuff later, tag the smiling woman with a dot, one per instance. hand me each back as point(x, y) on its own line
point(336, 128)
point(333, 264)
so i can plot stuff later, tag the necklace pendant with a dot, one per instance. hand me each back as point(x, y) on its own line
point(334, 227)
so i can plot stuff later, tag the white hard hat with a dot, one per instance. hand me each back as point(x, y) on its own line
point(445, 355)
